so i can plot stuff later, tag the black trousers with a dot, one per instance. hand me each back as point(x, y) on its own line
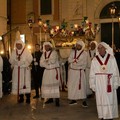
point(22, 96)
point(118, 95)
point(37, 78)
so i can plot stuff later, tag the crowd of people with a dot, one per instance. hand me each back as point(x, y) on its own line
point(92, 72)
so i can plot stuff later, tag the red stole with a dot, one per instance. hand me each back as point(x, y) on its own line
point(75, 55)
point(76, 58)
point(109, 89)
point(91, 55)
point(19, 55)
point(46, 57)
point(106, 61)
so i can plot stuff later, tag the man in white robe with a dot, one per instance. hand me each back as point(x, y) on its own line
point(76, 74)
point(104, 80)
point(90, 55)
point(51, 75)
point(20, 60)
point(1, 69)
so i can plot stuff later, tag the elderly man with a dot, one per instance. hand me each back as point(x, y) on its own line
point(51, 75)
point(104, 80)
point(76, 75)
point(90, 55)
point(20, 60)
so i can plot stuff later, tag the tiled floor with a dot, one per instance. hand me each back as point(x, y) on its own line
point(10, 110)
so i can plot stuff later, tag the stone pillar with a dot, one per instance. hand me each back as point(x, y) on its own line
point(3, 16)
point(3, 22)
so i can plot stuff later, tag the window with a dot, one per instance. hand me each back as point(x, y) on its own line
point(22, 36)
point(46, 7)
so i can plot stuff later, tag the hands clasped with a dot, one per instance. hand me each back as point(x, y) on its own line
point(19, 63)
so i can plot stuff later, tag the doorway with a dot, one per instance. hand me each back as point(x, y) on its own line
point(106, 34)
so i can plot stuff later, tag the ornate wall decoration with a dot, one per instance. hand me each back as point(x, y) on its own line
point(76, 10)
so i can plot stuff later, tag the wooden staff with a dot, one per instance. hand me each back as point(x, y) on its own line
point(18, 83)
point(24, 87)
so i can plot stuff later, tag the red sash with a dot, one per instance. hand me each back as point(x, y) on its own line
point(46, 57)
point(56, 73)
point(80, 76)
point(56, 69)
point(80, 80)
point(76, 57)
point(109, 89)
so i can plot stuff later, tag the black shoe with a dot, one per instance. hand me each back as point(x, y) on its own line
point(28, 101)
point(20, 100)
point(35, 97)
point(49, 101)
point(73, 102)
point(57, 103)
point(90, 96)
point(84, 104)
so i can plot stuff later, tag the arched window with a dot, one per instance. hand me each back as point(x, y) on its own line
point(106, 27)
point(105, 13)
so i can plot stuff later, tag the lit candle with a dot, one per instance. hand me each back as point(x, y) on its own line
point(76, 26)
